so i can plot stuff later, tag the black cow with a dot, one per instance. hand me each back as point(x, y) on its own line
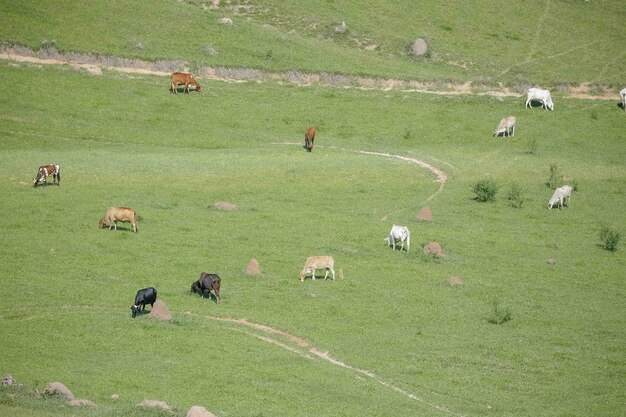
point(208, 282)
point(143, 297)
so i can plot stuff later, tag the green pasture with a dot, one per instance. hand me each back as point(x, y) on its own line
point(549, 42)
point(402, 340)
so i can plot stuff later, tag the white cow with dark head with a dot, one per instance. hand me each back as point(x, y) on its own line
point(399, 234)
point(543, 96)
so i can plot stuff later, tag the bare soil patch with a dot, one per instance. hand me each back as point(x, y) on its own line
point(94, 63)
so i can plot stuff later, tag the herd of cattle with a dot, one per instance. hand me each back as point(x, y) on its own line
point(397, 235)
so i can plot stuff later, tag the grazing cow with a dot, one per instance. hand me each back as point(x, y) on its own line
point(119, 214)
point(506, 126)
point(208, 282)
point(399, 234)
point(143, 297)
point(45, 171)
point(540, 95)
point(309, 137)
point(622, 95)
point(318, 262)
point(180, 78)
point(559, 195)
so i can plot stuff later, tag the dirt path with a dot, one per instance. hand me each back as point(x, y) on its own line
point(301, 347)
point(94, 64)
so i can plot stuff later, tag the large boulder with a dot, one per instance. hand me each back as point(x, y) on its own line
point(197, 411)
point(154, 404)
point(58, 388)
point(419, 47)
point(8, 380)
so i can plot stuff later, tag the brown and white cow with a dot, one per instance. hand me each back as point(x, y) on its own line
point(309, 137)
point(183, 78)
point(119, 214)
point(45, 171)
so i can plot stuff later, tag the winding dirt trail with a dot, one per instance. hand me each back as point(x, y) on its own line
point(94, 64)
point(301, 347)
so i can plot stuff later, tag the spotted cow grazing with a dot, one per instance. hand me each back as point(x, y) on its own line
point(183, 78)
point(206, 283)
point(45, 171)
point(309, 137)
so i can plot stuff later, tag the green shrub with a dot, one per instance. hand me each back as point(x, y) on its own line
point(485, 190)
point(555, 176)
point(609, 237)
point(498, 313)
point(515, 195)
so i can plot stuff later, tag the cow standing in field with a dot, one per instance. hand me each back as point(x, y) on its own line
point(183, 78)
point(506, 126)
point(119, 214)
point(143, 297)
point(537, 94)
point(560, 194)
point(206, 283)
point(622, 96)
point(399, 234)
point(309, 137)
point(45, 171)
point(318, 262)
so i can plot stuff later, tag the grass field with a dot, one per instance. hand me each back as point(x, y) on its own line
point(391, 337)
point(484, 41)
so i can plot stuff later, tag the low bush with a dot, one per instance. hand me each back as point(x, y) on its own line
point(515, 195)
point(499, 314)
point(485, 190)
point(610, 238)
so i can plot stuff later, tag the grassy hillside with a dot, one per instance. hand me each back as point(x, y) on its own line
point(548, 42)
point(401, 339)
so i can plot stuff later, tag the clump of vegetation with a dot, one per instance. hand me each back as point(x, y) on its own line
point(532, 146)
point(515, 195)
point(485, 190)
point(609, 237)
point(499, 314)
point(555, 176)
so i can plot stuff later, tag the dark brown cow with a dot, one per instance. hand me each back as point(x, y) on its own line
point(309, 137)
point(45, 171)
point(208, 282)
point(183, 78)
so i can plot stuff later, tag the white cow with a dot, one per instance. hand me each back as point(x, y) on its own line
point(506, 126)
point(399, 234)
point(540, 95)
point(559, 195)
point(622, 95)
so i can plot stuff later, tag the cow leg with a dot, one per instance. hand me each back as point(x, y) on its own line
point(326, 274)
point(333, 271)
point(313, 274)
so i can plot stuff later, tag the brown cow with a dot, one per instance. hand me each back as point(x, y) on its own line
point(309, 136)
point(45, 171)
point(119, 214)
point(180, 78)
point(208, 282)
